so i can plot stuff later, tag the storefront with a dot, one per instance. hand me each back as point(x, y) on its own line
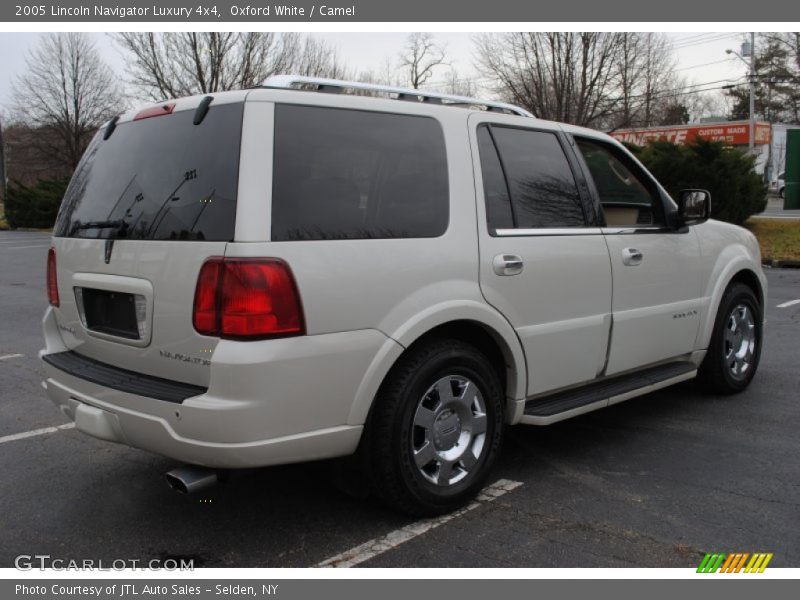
point(733, 133)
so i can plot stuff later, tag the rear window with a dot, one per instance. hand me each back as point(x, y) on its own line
point(349, 174)
point(161, 178)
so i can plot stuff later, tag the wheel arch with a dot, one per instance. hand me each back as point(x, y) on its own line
point(738, 270)
point(474, 323)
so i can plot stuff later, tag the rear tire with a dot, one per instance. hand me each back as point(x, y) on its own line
point(735, 348)
point(435, 430)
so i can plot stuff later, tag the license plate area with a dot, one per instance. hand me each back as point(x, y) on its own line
point(113, 313)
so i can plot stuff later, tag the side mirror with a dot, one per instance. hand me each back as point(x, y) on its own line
point(694, 206)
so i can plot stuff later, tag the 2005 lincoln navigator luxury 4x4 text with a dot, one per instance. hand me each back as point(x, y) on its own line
point(318, 269)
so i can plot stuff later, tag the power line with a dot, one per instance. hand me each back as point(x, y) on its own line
point(716, 62)
point(716, 38)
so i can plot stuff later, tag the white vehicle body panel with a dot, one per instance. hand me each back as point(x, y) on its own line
point(560, 304)
point(657, 304)
point(575, 314)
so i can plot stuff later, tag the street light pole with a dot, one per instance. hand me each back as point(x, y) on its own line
point(751, 76)
point(752, 92)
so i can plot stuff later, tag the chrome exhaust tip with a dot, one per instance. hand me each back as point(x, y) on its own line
point(190, 479)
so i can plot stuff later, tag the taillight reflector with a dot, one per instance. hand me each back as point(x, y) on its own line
point(247, 298)
point(155, 111)
point(52, 278)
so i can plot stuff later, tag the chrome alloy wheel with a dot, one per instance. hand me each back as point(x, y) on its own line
point(739, 341)
point(449, 432)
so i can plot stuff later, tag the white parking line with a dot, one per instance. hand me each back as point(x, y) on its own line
point(25, 240)
point(793, 217)
point(23, 247)
point(378, 546)
point(34, 433)
point(788, 304)
point(7, 356)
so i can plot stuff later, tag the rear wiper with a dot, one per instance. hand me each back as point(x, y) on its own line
point(119, 225)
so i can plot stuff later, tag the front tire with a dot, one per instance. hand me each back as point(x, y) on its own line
point(436, 428)
point(735, 349)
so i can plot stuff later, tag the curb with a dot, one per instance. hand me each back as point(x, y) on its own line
point(781, 264)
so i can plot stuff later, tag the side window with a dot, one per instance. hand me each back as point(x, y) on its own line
point(350, 174)
point(625, 193)
point(495, 189)
point(539, 180)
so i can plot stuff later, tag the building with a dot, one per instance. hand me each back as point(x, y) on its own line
point(777, 162)
point(733, 133)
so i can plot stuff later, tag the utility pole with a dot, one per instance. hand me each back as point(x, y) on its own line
point(752, 92)
point(3, 177)
point(749, 51)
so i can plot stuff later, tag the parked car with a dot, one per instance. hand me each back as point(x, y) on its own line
point(285, 274)
point(778, 185)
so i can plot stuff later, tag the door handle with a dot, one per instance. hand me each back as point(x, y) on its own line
point(631, 257)
point(507, 264)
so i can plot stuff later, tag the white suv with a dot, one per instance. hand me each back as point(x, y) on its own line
point(287, 274)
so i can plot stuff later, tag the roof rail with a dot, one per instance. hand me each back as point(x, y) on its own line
point(338, 86)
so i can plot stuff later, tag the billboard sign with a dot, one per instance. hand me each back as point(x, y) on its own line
point(734, 133)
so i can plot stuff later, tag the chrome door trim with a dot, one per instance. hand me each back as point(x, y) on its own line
point(636, 230)
point(548, 231)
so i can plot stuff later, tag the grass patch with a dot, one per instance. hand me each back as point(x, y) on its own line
point(779, 238)
point(3, 222)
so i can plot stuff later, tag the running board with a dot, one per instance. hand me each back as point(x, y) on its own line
point(599, 394)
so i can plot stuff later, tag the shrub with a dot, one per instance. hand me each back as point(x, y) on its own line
point(737, 191)
point(35, 205)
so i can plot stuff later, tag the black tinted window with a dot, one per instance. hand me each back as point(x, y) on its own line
point(495, 190)
point(543, 189)
point(161, 178)
point(625, 193)
point(347, 174)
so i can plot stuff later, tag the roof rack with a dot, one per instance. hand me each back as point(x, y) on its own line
point(337, 86)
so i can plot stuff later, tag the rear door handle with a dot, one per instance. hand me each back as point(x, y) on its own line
point(631, 257)
point(507, 264)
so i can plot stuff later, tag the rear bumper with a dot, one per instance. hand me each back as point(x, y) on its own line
point(155, 434)
point(271, 402)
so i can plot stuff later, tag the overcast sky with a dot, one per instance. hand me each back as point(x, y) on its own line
point(365, 51)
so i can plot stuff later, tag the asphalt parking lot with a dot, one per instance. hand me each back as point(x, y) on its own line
point(657, 481)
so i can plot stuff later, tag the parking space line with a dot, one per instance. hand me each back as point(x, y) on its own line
point(7, 356)
point(378, 546)
point(788, 304)
point(35, 432)
point(23, 247)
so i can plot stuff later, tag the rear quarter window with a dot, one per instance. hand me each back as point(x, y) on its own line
point(352, 174)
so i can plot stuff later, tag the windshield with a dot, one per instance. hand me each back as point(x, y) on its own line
point(161, 178)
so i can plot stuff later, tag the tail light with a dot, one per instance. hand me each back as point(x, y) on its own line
point(247, 298)
point(52, 278)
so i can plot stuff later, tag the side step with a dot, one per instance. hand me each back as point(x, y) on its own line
point(599, 394)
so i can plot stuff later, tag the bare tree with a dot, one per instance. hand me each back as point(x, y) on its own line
point(170, 65)
point(565, 76)
point(630, 69)
point(386, 74)
point(316, 58)
point(645, 75)
point(67, 90)
point(459, 85)
point(420, 57)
